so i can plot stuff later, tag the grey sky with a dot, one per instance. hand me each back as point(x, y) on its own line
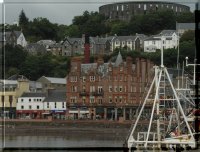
point(58, 11)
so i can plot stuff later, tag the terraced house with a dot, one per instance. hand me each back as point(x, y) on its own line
point(10, 90)
point(110, 90)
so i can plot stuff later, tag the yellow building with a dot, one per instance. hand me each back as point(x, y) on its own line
point(10, 90)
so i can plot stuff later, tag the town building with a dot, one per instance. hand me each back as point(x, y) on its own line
point(46, 44)
point(30, 105)
point(38, 105)
point(10, 90)
point(166, 39)
point(52, 83)
point(36, 49)
point(75, 46)
point(55, 104)
point(110, 90)
point(126, 42)
point(56, 49)
point(13, 38)
point(72, 46)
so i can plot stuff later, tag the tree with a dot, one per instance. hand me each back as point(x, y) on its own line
point(42, 28)
point(23, 20)
point(186, 17)
point(188, 36)
point(153, 22)
point(120, 28)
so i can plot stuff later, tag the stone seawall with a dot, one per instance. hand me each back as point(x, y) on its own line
point(70, 129)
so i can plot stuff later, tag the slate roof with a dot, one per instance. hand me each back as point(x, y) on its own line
point(33, 94)
point(56, 45)
point(167, 32)
point(72, 40)
point(36, 47)
point(110, 38)
point(46, 42)
point(8, 82)
point(34, 84)
point(152, 38)
point(119, 59)
point(103, 68)
point(7, 34)
point(17, 33)
point(56, 96)
point(124, 38)
point(56, 80)
point(99, 40)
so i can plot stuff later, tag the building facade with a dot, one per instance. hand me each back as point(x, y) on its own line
point(166, 39)
point(10, 90)
point(30, 105)
point(55, 104)
point(110, 90)
point(13, 38)
point(125, 10)
point(127, 42)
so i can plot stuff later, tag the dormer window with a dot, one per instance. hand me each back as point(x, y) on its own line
point(117, 42)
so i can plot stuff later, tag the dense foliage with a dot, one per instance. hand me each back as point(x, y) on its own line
point(98, 25)
point(35, 66)
point(17, 61)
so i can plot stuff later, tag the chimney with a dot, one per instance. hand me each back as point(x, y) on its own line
point(87, 49)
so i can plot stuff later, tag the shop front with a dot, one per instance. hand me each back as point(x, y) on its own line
point(29, 114)
point(84, 113)
point(58, 114)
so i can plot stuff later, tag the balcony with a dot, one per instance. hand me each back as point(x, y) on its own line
point(83, 93)
point(96, 93)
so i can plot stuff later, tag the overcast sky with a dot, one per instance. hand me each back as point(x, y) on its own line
point(57, 11)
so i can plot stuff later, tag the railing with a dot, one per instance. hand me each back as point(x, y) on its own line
point(84, 93)
point(96, 93)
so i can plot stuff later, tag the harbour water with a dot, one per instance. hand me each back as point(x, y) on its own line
point(52, 142)
point(56, 142)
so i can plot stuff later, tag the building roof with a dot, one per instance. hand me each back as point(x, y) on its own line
point(72, 40)
point(33, 94)
point(56, 80)
point(17, 33)
point(99, 40)
point(56, 96)
point(17, 77)
point(8, 82)
point(36, 47)
point(125, 38)
point(34, 84)
point(167, 32)
point(7, 34)
point(152, 39)
point(119, 59)
point(56, 45)
point(46, 42)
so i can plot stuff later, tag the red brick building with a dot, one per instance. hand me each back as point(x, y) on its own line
point(110, 90)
